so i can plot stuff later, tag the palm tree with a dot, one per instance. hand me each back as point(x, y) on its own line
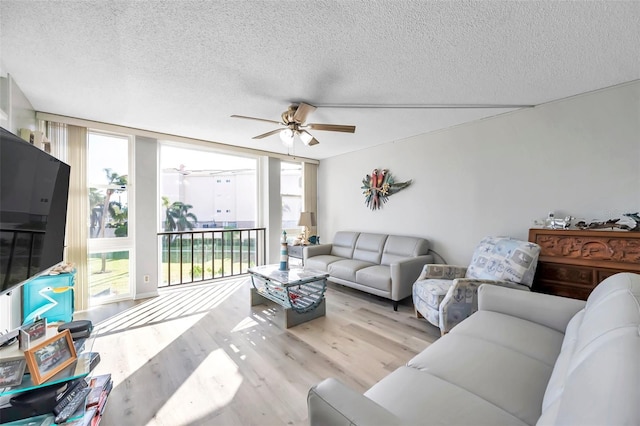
point(179, 218)
point(96, 201)
point(169, 223)
point(120, 215)
point(116, 184)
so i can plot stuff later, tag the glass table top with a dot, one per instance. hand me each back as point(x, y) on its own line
point(292, 276)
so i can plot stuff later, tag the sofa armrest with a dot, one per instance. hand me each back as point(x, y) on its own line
point(462, 300)
point(404, 273)
point(315, 250)
point(442, 271)
point(550, 311)
point(330, 402)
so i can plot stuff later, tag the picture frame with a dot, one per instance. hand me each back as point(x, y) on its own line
point(31, 332)
point(48, 358)
point(11, 371)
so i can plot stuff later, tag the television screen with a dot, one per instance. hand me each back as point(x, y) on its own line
point(34, 188)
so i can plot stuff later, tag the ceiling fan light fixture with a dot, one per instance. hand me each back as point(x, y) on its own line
point(306, 137)
point(286, 135)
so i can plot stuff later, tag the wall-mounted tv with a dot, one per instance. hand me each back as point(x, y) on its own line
point(34, 189)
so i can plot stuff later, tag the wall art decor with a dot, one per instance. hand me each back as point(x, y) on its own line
point(378, 186)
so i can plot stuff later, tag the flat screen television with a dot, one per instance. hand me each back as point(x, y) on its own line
point(34, 190)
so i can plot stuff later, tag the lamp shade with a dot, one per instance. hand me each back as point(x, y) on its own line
point(307, 219)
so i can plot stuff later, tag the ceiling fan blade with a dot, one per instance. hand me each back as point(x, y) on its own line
point(313, 141)
point(332, 127)
point(254, 118)
point(264, 135)
point(301, 113)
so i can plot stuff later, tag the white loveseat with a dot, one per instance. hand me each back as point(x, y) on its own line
point(522, 359)
point(380, 264)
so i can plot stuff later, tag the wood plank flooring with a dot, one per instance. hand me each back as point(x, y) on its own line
point(201, 355)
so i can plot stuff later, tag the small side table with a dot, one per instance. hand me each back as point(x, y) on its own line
point(295, 252)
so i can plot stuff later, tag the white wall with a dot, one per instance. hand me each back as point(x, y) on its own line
point(578, 156)
point(146, 226)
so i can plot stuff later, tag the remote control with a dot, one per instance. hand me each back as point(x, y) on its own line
point(77, 401)
point(69, 395)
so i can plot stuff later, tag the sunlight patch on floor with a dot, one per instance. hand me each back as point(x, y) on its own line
point(246, 323)
point(140, 345)
point(171, 304)
point(219, 374)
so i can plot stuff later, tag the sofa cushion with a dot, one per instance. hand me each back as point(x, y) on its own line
point(322, 262)
point(418, 397)
point(504, 258)
point(603, 388)
point(377, 276)
point(346, 269)
point(343, 244)
point(398, 248)
point(597, 372)
point(369, 247)
point(526, 337)
point(472, 363)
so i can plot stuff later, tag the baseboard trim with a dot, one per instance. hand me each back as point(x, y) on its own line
point(146, 295)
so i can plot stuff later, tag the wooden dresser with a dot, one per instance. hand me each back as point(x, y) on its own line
point(572, 262)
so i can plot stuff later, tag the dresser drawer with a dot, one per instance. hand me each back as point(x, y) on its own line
point(564, 289)
point(564, 273)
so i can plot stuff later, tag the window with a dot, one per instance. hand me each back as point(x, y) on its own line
point(291, 191)
point(110, 242)
point(202, 190)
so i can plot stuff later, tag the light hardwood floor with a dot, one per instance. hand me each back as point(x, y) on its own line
point(200, 355)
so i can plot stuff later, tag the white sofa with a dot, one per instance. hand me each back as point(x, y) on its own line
point(380, 264)
point(522, 359)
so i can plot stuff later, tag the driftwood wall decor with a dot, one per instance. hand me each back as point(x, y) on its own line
point(378, 186)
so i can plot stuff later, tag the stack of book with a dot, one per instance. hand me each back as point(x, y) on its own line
point(89, 414)
point(100, 388)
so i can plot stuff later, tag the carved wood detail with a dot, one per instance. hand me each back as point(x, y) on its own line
point(596, 248)
point(573, 262)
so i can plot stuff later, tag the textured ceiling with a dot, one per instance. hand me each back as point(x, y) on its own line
point(183, 67)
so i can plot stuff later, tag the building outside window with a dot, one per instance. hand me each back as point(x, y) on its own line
point(203, 190)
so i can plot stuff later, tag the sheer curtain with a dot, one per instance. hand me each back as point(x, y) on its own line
point(69, 143)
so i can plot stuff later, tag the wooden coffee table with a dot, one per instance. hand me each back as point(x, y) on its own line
point(299, 291)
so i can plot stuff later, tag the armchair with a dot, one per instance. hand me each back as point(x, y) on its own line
point(446, 294)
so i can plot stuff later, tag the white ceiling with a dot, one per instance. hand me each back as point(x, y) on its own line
point(183, 67)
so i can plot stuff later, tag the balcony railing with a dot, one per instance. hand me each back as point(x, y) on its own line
point(194, 256)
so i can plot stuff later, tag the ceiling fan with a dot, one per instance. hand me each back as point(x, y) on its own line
point(294, 121)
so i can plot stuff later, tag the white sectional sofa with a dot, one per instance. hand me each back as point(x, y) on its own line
point(380, 264)
point(522, 359)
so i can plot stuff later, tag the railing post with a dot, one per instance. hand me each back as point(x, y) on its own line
point(225, 234)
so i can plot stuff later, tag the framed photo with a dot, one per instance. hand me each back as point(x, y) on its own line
point(30, 333)
point(50, 357)
point(11, 371)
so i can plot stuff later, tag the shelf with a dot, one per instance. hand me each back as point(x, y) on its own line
point(81, 367)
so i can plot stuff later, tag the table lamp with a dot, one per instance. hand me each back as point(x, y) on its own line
point(307, 219)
